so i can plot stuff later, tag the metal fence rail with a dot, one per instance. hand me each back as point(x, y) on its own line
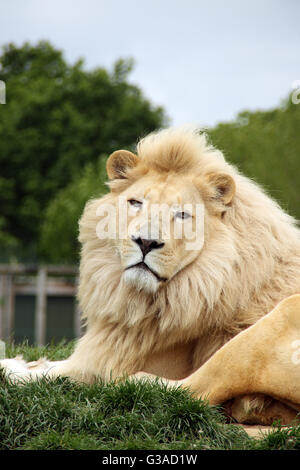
point(40, 281)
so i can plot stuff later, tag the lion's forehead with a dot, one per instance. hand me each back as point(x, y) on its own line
point(171, 192)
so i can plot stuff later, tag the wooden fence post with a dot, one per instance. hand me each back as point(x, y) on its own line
point(7, 306)
point(40, 307)
point(12, 283)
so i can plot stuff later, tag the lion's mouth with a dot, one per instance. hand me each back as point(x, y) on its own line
point(144, 266)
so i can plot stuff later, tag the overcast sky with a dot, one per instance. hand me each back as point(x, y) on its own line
point(203, 60)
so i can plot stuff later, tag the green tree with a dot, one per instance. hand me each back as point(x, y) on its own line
point(265, 145)
point(57, 118)
point(59, 232)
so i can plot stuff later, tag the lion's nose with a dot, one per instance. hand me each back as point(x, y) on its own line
point(147, 245)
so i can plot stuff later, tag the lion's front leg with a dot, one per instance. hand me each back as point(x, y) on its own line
point(257, 373)
point(261, 362)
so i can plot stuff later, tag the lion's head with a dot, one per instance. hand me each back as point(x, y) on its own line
point(165, 196)
point(219, 272)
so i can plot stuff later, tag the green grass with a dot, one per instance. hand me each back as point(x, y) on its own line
point(63, 415)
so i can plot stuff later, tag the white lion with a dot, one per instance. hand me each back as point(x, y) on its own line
point(153, 305)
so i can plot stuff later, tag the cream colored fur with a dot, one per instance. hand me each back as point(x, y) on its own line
point(250, 261)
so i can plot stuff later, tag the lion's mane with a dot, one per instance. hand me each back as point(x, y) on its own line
point(248, 264)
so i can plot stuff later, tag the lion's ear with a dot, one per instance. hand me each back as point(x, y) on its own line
point(119, 163)
point(222, 187)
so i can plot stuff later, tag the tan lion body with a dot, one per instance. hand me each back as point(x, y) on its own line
point(250, 261)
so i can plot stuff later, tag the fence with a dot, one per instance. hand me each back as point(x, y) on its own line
point(41, 282)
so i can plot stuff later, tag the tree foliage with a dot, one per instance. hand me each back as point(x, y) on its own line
point(62, 121)
point(59, 232)
point(265, 145)
point(58, 118)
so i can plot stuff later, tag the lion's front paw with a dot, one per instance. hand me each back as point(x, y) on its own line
point(14, 368)
point(18, 370)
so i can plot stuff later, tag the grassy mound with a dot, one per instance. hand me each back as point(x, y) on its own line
point(63, 415)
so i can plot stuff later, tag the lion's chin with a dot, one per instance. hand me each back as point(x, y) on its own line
point(141, 279)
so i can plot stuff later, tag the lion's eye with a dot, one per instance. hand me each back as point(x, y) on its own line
point(135, 203)
point(182, 215)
